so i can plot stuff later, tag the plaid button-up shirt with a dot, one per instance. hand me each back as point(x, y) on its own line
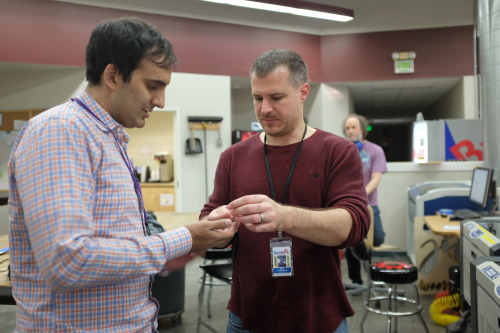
point(80, 260)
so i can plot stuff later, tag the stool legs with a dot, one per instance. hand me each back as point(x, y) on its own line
point(420, 313)
point(200, 302)
point(390, 298)
point(200, 306)
point(392, 311)
point(209, 298)
point(365, 311)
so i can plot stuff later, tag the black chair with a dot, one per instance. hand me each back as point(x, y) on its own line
point(217, 271)
point(363, 254)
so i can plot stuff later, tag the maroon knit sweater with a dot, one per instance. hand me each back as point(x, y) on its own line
point(328, 174)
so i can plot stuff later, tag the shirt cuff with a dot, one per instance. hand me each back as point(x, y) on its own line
point(177, 242)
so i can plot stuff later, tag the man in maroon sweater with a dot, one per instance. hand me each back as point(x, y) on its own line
point(297, 192)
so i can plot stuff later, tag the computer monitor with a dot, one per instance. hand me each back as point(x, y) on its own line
point(483, 188)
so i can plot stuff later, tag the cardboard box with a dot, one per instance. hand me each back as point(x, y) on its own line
point(434, 255)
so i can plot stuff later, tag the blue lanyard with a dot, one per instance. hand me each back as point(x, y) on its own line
point(130, 168)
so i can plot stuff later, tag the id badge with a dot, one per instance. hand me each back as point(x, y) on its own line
point(281, 257)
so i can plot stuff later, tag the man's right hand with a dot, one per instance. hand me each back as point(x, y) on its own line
point(210, 234)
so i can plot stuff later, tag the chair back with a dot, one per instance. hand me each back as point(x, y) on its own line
point(370, 235)
point(219, 254)
point(363, 250)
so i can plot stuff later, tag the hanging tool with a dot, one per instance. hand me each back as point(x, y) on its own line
point(193, 144)
point(219, 138)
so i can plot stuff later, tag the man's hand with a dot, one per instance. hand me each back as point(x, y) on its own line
point(258, 213)
point(219, 213)
point(210, 234)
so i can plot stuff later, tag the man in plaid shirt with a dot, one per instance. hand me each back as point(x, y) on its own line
point(82, 259)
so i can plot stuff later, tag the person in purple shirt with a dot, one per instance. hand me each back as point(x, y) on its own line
point(374, 165)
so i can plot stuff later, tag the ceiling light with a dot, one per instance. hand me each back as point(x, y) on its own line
point(295, 7)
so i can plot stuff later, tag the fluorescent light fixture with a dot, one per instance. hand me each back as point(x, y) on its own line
point(295, 7)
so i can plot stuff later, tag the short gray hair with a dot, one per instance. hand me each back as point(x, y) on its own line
point(271, 59)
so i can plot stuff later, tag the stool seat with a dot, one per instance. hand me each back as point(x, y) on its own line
point(222, 272)
point(393, 272)
point(219, 254)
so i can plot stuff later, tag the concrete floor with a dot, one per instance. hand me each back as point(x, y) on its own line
point(374, 323)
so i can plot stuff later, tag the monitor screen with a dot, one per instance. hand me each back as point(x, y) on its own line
point(480, 186)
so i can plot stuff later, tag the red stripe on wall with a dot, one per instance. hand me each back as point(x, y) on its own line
point(56, 33)
point(441, 52)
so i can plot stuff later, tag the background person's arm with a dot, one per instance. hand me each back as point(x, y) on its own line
point(374, 182)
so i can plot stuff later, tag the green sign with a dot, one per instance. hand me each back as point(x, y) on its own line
point(403, 66)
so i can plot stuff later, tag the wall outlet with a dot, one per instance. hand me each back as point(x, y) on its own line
point(166, 199)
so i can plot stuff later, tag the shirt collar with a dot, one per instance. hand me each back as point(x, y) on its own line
point(105, 117)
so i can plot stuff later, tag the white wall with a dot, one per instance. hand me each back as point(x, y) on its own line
point(330, 104)
point(337, 104)
point(471, 97)
point(243, 113)
point(39, 88)
point(460, 102)
point(199, 95)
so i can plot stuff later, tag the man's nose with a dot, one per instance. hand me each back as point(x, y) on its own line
point(159, 100)
point(266, 106)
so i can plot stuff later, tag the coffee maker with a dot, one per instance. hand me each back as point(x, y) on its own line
point(166, 166)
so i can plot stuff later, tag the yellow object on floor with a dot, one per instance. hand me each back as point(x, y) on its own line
point(441, 304)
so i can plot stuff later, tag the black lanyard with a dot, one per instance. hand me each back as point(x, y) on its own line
point(130, 168)
point(290, 174)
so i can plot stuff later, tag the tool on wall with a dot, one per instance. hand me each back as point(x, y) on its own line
point(193, 145)
point(219, 138)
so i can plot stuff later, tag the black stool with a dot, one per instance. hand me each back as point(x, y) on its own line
point(392, 273)
point(214, 274)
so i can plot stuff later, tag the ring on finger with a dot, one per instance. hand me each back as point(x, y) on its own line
point(261, 217)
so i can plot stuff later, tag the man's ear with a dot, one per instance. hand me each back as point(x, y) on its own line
point(111, 76)
point(304, 91)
